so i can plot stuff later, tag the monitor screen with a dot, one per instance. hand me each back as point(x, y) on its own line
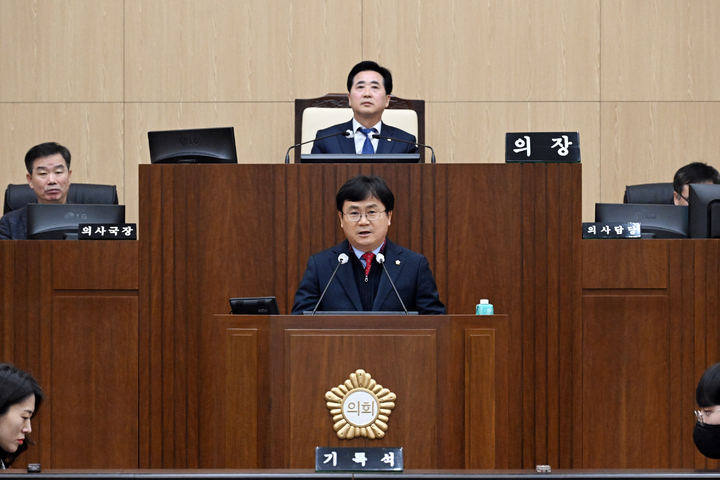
point(704, 216)
point(354, 158)
point(204, 145)
point(57, 222)
point(661, 221)
point(254, 306)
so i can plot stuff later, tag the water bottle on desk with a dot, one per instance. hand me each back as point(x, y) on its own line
point(484, 307)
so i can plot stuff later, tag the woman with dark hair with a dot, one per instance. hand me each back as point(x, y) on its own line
point(20, 398)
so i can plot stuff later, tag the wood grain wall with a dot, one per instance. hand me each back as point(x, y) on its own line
point(636, 78)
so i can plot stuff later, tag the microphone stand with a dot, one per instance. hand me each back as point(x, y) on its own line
point(432, 159)
point(346, 133)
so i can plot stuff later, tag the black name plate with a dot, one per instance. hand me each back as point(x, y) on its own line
point(542, 147)
point(102, 231)
point(612, 230)
point(358, 459)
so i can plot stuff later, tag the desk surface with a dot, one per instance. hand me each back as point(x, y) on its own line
point(407, 475)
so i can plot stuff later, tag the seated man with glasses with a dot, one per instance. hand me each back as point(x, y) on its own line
point(696, 172)
point(365, 205)
point(707, 428)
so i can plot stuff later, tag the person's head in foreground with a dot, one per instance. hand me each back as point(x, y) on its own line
point(20, 398)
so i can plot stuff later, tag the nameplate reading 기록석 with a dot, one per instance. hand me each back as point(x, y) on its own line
point(358, 459)
point(113, 231)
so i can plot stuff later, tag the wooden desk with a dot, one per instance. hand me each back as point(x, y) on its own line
point(265, 379)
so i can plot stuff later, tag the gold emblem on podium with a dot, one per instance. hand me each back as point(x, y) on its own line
point(360, 407)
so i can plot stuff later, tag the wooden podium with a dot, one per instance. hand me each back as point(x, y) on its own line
point(264, 380)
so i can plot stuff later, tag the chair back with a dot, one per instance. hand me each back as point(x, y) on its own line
point(313, 114)
point(18, 196)
point(649, 193)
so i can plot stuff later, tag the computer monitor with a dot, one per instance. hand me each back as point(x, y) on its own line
point(254, 306)
point(57, 222)
point(704, 216)
point(203, 145)
point(661, 221)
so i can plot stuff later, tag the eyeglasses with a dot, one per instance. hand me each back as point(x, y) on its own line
point(372, 215)
point(699, 414)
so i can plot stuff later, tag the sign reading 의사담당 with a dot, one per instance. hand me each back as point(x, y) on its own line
point(360, 407)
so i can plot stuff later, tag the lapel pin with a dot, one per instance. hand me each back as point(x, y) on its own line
point(397, 262)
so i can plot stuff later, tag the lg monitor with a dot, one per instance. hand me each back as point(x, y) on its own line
point(704, 215)
point(254, 306)
point(656, 220)
point(58, 222)
point(203, 145)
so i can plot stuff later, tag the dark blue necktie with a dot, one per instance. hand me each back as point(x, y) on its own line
point(367, 146)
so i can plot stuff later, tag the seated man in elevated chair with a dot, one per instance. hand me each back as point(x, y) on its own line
point(48, 166)
point(369, 86)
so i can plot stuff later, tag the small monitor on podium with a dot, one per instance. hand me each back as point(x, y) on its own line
point(254, 306)
point(202, 145)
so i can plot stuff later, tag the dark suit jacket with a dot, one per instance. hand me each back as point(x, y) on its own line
point(409, 270)
point(13, 225)
point(341, 144)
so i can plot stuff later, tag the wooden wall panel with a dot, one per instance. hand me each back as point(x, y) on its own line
point(626, 382)
point(646, 142)
point(263, 132)
point(262, 55)
point(660, 50)
point(93, 132)
point(636, 264)
point(61, 51)
point(230, 50)
point(469, 132)
point(94, 365)
point(465, 50)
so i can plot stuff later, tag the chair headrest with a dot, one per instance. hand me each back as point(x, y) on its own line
point(17, 196)
point(656, 193)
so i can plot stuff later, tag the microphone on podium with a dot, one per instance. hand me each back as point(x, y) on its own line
point(380, 258)
point(393, 139)
point(346, 134)
point(342, 259)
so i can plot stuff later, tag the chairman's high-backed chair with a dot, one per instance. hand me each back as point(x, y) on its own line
point(656, 193)
point(17, 196)
point(313, 114)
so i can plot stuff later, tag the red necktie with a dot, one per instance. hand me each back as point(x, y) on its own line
point(368, 256)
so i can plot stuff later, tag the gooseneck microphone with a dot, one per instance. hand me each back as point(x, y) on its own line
point(393, 139)
point(381, 260)
point(342, 259)
point(346, 133)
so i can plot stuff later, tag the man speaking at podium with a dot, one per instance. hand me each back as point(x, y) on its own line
point(369, 87)
point(351, 273)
